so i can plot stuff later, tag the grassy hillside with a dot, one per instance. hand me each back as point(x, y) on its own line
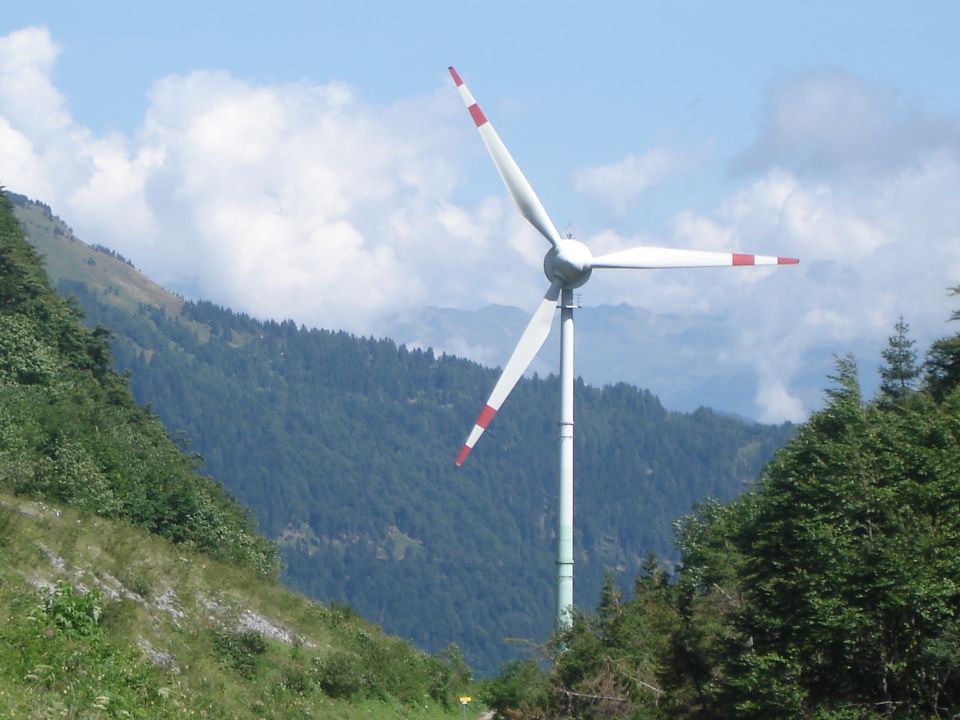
point(99, 619)
point(71, 432)
point(114, 278)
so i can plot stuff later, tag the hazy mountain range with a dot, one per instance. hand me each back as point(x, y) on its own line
point(622, 343)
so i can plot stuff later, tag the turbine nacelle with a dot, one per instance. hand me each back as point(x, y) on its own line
point(569, 263)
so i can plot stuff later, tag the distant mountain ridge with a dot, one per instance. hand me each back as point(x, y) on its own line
point(622, 343)
point(616, 343)
point(344, 446)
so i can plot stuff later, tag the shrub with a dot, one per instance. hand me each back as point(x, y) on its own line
point(519, 684)
point(8, 524)
point(239, 650)
point(339, 675)
point(75, 613)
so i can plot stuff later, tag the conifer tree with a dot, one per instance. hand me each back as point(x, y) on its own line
point(943, 360)
point(899, 371)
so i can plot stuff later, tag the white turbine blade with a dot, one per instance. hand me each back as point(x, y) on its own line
point(658, 257)
point(518, 185)
point(530, 343)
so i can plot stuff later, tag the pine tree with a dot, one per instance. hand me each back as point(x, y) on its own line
point(943, 361)
point(899, 371)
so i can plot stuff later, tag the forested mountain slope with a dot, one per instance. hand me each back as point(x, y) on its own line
point(344, 448)
point(132, 586)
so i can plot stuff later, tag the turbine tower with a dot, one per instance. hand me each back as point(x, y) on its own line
point(568, 265)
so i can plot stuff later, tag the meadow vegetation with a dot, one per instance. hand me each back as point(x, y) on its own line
point(197, 638)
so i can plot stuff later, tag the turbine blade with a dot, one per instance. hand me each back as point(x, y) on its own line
point(658, 257)
point(518, 185)
point(530, 343)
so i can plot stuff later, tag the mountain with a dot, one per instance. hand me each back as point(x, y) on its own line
point(133, 586)
point(344, 447)
point(615, 343)
point(621, 343)
point(72, 432)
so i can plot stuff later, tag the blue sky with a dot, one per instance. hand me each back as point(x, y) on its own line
point(312, 160)
point(643, 66)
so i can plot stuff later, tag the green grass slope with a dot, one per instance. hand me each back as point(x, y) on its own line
point(100, 619)
point(103, 271)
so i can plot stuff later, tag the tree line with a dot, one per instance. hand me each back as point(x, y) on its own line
point(830, 590)
point(71, 432)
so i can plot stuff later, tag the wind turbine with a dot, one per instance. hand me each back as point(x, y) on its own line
point(568, 264)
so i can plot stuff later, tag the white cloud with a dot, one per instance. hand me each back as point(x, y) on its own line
point(877, 230)
point(777, 404)
point(618, 185)
point(869, 252)
point(833, 121)
point(18, 160)
point(27, 93)
point(294, 200)
point(302, 200)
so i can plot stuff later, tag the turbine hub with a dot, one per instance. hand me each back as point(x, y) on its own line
point(570, 262)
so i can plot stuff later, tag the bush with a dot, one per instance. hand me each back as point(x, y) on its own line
point(519, 684)
point(339, 675)
point(239, 650)
point(74, 613)
point(8, 524)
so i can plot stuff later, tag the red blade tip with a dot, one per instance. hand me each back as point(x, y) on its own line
point(787, 261)
point(456, 78)
point(477, 114)
point(485, 416)
point(463, 455)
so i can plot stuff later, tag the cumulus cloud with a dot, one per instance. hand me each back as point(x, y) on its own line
point(27, 93)
point(856, 182)
point(293, 200)
point(617, 185)
point(833, 121)
point(303, 200)
point(868, 253)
